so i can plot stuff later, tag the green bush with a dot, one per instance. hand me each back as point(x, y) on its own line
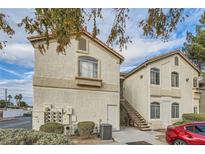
point(193, 117)
point(29, 114)
point(85, 128)
point(2, 103)
point(180, 122)
point(52, 128)
point(30, 137)
point(190, 117)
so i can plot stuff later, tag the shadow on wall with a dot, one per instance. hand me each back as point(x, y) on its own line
point(124, 118)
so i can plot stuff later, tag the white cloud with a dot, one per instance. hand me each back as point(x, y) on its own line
point(10, 71)
point(21, 54)
point(28, 75)
point(142, 48)
point(15, 86)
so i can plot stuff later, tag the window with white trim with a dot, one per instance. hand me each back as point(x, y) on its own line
point(175, 110)
point(155, 110)
point(175, 79)
point(155, 76)
point(88, 67)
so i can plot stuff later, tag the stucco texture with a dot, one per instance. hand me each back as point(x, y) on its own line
point(140, 93)
point(55, 83)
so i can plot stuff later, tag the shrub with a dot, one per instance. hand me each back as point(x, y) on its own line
point(76, 132)
point(190, 117)
point(23, 104)
point(180, 122)
point(52, 128)
point(85, 128)
point(193, 117)
point(29, 114)
point(30, 137)
point(2, 103)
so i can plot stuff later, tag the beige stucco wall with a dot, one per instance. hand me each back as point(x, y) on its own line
point(55, 83)
point(87, 105)
point(135, 91)
point(140, 93)
point(54, 65)
point(202, 100)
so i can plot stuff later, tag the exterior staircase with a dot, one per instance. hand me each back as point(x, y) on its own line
point(135, 119)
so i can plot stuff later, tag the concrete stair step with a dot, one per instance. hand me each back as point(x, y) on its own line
point(140, 123)
point(145, 129)
point(136, 119)
point(144, 126)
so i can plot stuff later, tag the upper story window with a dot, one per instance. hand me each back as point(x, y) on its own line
point(82, 45)
point(155, 76)
point(195, 82)
point(176, 61)
point(175, 110)
point(155, 110)
point(88, 67)
point(175, 79)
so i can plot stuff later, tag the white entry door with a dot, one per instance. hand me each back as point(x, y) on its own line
point(166, 113)
point(112, 116)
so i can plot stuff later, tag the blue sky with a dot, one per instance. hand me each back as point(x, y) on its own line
point(17, 59)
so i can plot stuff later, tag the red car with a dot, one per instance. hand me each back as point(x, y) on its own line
point(191, 133)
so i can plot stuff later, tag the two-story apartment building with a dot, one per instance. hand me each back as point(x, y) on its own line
point(83, 85)
point(163, 88)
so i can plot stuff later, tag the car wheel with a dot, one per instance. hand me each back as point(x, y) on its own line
point(179, 142)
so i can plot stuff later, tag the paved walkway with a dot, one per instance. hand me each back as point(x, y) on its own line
point(130, 134)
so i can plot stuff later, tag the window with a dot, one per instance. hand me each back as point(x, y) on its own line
point(176, 61)
point(190, 128)
point(88, 67)
point(198, 129)
point(155, 110)
point(82, 44)
point(155, 76)
point(195, 82)
point(195, 109)
point(175, 110)
point(175, 79)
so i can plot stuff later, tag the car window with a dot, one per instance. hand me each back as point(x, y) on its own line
point(190, 128)
point(198, 129)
